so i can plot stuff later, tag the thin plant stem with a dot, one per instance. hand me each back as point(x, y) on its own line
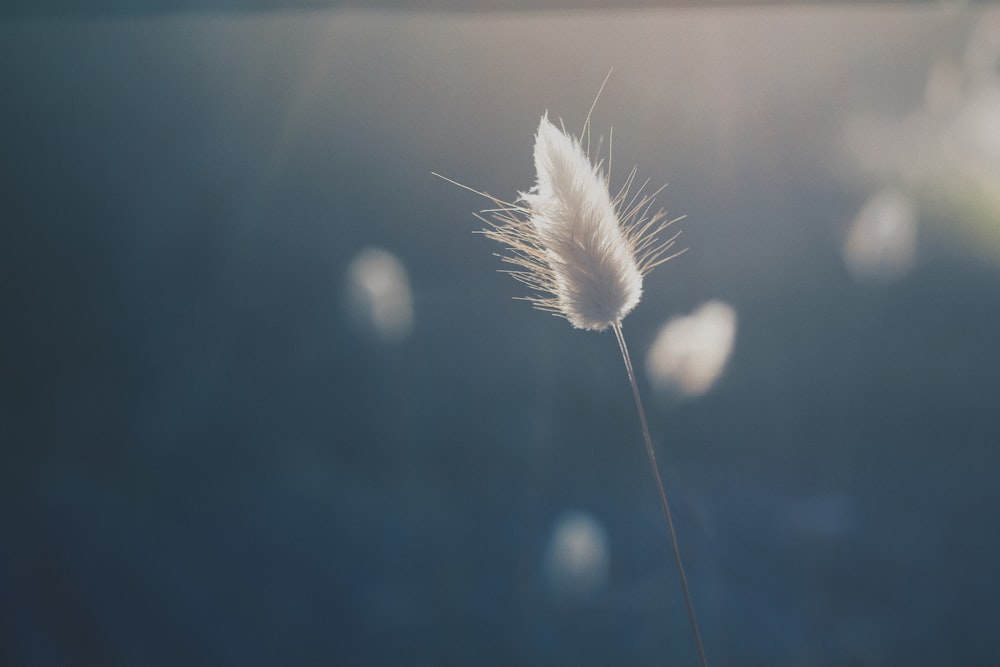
point(663, 496)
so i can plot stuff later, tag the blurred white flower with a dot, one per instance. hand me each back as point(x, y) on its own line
point(690, 352)
point(882, 241)
point(576, 559)
point(378, 295)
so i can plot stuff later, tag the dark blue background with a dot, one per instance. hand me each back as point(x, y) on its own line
point(203, 462)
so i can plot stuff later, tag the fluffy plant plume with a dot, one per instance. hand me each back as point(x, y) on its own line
point(582, 252)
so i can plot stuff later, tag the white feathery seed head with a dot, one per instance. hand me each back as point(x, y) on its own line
point(595, 277)
point(582, 251)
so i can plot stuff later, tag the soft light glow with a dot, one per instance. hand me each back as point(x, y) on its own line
point(882, 241)
point(379, 297)
point(690, 352)
point(576, 559)
point(945, 154)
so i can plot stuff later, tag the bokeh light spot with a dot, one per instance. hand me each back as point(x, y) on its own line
point(690, 352)
point(378, 295)
point(576, 558)
point(882, 241)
